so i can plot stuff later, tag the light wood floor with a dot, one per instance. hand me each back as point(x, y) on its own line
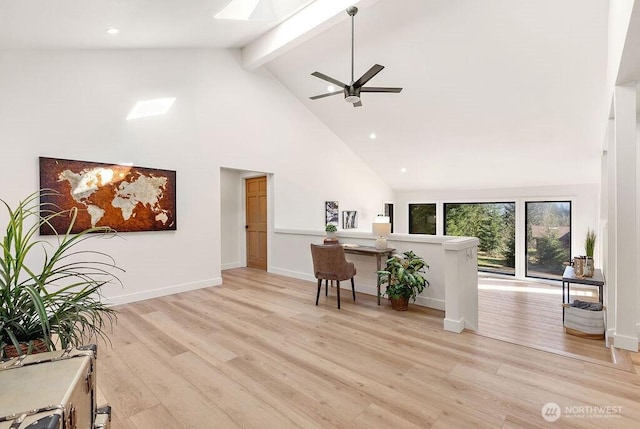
point(257, 353)
point(530, 314)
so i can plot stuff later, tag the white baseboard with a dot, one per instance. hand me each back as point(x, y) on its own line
point(625, 342)
point(456, 326)
point(610, 333)
point(154, 293)
point(230, 266)
point(295, 274)
point(425, 301)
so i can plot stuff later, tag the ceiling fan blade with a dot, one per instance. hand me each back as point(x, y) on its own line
point(357, 104)
point(328, 79)
point(374, 70)
point(315, 97)
point(379, 89)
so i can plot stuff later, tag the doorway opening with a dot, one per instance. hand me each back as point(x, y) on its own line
point(238, 210)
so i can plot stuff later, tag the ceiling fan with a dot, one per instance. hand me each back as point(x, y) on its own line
point(352, 91)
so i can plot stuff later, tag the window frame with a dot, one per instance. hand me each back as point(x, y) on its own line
point(435, 224)
point(526, 243)
point(515, 231)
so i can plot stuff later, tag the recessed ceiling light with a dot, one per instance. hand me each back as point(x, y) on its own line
point(403, 170)
point(372, 136)
point(112, 31)
point(331, 88)
point(144, 108)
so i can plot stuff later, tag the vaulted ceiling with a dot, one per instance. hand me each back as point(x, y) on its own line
point(497, 93)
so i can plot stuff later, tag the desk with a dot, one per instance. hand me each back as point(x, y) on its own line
point(372, 251)
point(569, 277)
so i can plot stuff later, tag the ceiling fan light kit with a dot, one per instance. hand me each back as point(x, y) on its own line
point(354, 88)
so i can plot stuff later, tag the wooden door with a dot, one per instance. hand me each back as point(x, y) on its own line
point(256, 204)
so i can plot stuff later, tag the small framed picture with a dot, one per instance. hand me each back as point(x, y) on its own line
point(349, 219)
point(331, 213)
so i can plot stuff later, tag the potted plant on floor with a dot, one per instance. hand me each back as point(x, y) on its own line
point(50, 289)
point(403, 274)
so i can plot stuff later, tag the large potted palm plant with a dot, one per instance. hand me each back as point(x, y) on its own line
point(404, 276)
point(50, 289)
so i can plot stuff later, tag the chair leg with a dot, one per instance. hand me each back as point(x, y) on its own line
point(338, 287)
point(353, 289)
point(319, 287)
point(326, 288)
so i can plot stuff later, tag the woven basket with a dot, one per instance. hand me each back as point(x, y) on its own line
point(400, 303)
point(584, 323)
point(37, 346)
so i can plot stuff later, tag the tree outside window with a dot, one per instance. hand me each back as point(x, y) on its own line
point(422, 219)
point(494, 224)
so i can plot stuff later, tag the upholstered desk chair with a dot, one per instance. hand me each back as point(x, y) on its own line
point(329, 263)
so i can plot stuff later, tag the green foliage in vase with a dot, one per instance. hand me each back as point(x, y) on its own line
point(50, 289)
point(331, 228)
point(403, 272)
point(590, 242)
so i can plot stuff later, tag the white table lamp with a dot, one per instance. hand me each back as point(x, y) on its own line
point(381, 228)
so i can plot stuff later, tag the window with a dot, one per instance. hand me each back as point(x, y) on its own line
point(548, 241)
point(495, 226)
point(388, 211)
point(422, 219)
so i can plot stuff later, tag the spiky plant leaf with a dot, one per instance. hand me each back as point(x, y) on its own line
point(60, 297)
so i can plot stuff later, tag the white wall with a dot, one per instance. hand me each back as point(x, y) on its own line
point(584, 209)
point(619, 180)
point(231, 225)
point(620, 12)
point(73, 104)
point(637, 261)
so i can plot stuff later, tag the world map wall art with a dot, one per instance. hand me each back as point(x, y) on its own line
point(123, 197)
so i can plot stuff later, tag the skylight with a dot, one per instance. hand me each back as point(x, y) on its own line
point(261, 10)
point(155, 107)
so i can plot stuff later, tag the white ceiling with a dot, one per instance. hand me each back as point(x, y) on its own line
point(497, 93)
point(630, 62)
point(63, 24)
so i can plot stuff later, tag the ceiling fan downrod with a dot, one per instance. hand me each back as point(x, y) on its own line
point(352, 10)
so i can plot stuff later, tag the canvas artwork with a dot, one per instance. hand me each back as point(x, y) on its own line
point(123, 197)
point(349, 219)
point(331, 213)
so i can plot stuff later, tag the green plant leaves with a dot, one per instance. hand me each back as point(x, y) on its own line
point(590, 242)
point(61, 298)
point(403, 273)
